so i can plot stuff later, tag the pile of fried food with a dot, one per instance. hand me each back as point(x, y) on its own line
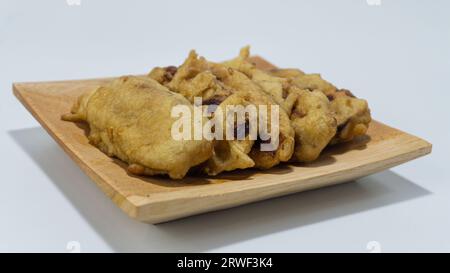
point(130, 118)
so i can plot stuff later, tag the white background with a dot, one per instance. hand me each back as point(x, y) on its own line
point(396, 55)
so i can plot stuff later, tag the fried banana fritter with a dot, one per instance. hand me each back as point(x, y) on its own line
point(253, 93)
point(313, 122)
point(192, 79)
point(310, 112)
point(220, 85)
point(352, 114)
point(276, 87)
point(230, 154)
point(131, 120)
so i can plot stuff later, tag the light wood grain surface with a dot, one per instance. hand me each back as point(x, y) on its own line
point(160, 199)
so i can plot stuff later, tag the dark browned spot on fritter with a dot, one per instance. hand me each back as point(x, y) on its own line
point(216, 100)
point(213, 102)
point(281, 138)
point(125, 78)
point(298, 114)
point(341, 127)
point(284, 93)
point(347, 92)
point(142, 85)
point(170, 72)
point(273, 70)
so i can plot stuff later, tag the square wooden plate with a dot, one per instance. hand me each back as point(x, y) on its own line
point(159, 199)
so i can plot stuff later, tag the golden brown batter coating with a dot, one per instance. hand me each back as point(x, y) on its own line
point(230, 154)
point(310, 112)
point(218, 85)
point(192, 79)
point(314, 124)
point(352, 114)
point(131, 119)
point(253, 93)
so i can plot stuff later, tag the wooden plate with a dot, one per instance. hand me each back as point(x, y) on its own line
point(159, 199)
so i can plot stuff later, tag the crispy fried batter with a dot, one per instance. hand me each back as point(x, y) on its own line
point(252, 92)
point(218, 85)
point(230, 154)
point(353, 117)
point(311, 116)
point(276, 87)
point(352, 114)
point(193, 79)
point(163, 75)
point(130, 119)
point(313, 122)
point(286, 72)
